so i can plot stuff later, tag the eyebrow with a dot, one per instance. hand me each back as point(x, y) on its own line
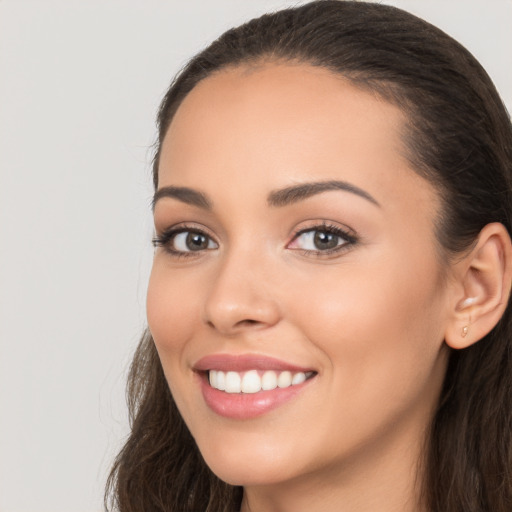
point(185, 195)
point(295, 193)
point(276, 198)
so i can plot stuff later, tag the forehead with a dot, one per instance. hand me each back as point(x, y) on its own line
point(284, 100)
point(275, 124)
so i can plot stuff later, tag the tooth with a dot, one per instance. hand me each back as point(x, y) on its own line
point(269, 381)
point(298, 378)
point(251, 382)
point(221, 381)
point(213, 378)
point(284, 380)
point(233, 382)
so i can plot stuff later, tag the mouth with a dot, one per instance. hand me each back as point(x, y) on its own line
point(247, 386)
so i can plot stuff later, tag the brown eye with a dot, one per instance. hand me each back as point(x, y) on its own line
point(192, 241)
point(196, 241)
point(323, 240)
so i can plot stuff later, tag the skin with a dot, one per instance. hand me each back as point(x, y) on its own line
point(370, 319)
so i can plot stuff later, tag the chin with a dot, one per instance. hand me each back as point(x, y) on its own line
point(248, 467)
point(244, 476)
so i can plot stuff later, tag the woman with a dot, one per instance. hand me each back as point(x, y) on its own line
point(328, 320)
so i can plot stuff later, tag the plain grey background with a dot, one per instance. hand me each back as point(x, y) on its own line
point(80, 81)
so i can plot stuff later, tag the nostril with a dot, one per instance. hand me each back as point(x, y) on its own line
point(241, 324)
point(247, 322)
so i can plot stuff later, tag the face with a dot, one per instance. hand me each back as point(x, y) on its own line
point(297, 269)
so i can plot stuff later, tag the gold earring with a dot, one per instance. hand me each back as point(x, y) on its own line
point(464, 331)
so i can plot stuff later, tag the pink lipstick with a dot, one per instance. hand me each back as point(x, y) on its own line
point(247, 386)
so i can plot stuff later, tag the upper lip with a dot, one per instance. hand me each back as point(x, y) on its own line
point(245, 362)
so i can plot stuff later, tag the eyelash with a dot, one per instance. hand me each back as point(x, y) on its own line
point(349, 238)
point(164, 240)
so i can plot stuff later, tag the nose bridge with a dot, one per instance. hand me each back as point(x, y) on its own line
point(240, 296)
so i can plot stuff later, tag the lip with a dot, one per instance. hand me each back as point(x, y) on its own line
point(245, 406)
point(245, 362)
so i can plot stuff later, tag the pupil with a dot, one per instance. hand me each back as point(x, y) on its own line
point(325, 240)
point(196, 241)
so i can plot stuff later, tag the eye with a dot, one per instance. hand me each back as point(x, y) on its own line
point(183, 242)
point(192, 241)
point(321, 240)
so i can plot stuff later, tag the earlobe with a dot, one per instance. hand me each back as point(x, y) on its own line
point(483, 284)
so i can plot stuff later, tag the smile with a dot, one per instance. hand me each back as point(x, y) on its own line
point(242, 387)
point(254, 381)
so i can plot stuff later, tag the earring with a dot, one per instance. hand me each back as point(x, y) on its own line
point(468, 302)
point(464, 331)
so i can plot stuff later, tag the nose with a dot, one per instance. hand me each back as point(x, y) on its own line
point(240, 297)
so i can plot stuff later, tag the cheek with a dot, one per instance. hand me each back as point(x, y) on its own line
point(373, 326)
point(380, 339)
point(171, 310)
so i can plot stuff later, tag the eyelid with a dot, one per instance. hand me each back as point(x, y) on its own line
point(344, 232)
point(164, 238)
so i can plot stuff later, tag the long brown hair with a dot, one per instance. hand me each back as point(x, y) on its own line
point(459, 137)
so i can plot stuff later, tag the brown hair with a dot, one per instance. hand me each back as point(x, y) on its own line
point(459, 137)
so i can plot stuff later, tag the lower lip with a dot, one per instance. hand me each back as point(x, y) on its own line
point(243, 406)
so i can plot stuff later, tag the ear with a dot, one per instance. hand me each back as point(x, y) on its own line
point(482, 288)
